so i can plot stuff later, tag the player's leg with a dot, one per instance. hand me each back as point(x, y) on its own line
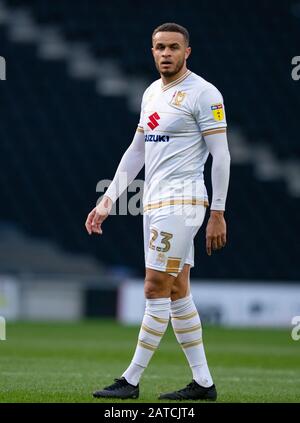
point(157, 289)
point(187, 328)
point(165, 249)
point(155, 322)
point(181, 284)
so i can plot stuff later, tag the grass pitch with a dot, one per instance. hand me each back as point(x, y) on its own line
point(66, 362)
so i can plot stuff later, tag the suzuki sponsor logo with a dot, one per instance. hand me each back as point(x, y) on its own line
point(157, 138)
point(153, 120)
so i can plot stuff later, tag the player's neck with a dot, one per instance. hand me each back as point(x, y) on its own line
point(168, 80)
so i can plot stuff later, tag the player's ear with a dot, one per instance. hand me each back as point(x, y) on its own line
point(187, 52)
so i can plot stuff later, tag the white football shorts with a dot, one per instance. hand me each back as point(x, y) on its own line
point(169, 233)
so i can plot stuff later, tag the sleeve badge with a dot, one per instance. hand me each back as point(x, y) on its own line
point(217, 111)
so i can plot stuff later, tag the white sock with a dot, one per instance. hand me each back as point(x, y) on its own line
point(187, 328)
point(154, 325)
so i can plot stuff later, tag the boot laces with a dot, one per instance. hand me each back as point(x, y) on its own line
point(118, 384)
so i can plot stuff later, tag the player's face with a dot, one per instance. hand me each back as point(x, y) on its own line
point(170, 52)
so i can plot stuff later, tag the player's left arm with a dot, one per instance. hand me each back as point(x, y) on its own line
point(210, 115)
point(216, 227)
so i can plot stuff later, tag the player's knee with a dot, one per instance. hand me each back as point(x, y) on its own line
point(152, 289)
point(156, 286)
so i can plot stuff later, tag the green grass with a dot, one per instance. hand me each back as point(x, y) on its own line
point(65, 362)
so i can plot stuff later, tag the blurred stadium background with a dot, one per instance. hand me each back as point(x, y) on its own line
point(75, 74)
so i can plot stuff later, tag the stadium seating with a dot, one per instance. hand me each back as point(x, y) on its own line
point(59, 137)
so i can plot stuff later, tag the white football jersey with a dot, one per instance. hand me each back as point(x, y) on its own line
point(174, 119)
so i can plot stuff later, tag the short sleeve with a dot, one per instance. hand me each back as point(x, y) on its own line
point(209, 111)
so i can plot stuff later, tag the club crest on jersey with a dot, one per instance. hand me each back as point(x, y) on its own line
point(178, 98)
point(153, 120)
point(217, 111)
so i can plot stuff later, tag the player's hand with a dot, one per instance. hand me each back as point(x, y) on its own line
point(215, 231)
point(97, 216)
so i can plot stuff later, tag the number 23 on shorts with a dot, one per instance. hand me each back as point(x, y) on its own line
point(165, 240)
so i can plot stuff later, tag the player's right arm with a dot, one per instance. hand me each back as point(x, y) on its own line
point(130, 165)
